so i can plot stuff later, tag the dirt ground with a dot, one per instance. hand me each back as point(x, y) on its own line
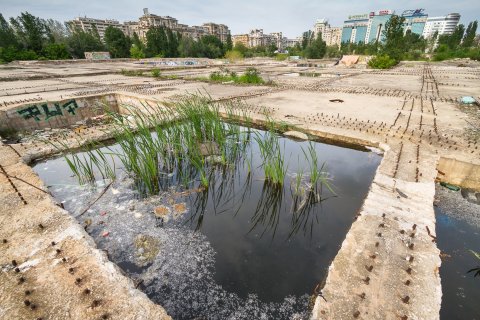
point(387, 267)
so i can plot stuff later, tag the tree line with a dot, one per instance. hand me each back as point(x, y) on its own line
point(27, 37)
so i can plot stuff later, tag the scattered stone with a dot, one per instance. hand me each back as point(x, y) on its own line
point(214, 159)
point(179, 209)
point(162, 212)
point(209, 148)
point(147, 248)
point(296, 134)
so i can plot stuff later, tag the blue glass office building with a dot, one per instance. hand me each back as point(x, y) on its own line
point(368, 28)
point(414, 20)
point(355, 28)
point(376, 26)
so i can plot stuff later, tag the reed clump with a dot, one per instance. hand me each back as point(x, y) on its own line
point(183, 143)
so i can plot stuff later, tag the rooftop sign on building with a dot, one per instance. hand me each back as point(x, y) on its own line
point(380, 13)
point(358, 16)
point(384, 12)
point(416, 12)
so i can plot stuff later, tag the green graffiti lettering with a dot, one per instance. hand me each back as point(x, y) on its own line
point(70, 106)
point(57, 111)
point(30, 112)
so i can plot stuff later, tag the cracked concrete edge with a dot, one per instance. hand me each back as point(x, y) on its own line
point(346, 295)
point(351, 245)
point(55, 291)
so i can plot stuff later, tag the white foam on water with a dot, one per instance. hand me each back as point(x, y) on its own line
point(181, 276)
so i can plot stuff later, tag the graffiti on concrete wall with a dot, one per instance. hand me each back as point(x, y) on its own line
point(37, 112)
point(97, 55)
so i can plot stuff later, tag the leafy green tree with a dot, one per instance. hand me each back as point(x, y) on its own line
point(189, 48)
point(307, 37)
point(212, 47)
point(7, 34)
point(117, 43)
point(240, 47)
point(295, 50)
point(172, 44)
point(333, 52)
point(470, 33)
point(56, 51)
point(58, 30)
point(80, 42)
point(94, 32)
point(31, 31)
point(270, 49)
point(415, 46)
point(136, 52)
point(229, 43)
point(317, 48)
point(452, 41)
point(137, 42)
point(431, 42)
point(157, 42)
point(394, 45)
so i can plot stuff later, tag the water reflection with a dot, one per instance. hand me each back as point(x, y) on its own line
point(269, 241)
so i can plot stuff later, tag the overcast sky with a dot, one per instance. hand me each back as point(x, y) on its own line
point(292, 17)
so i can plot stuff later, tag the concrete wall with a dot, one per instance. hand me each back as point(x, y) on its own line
point(463, 174)
point(124, 102)
point(55, 114)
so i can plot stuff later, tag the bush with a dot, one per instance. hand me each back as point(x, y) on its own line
point(156, 72)
point(474, 54)
point(131, 73)
point(382, 62)
point(56, 51)
point(136, 52)
point(233, 55)
point(252, 76)
point(414, 55)
point(218, 76)
point(11, 53)
point(281, 56)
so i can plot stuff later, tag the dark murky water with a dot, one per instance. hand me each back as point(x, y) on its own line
point(259, 257)
point(461, 290)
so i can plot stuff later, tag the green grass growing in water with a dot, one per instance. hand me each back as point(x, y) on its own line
point(180, 144)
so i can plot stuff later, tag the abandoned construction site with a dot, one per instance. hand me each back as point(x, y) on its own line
point(405, 176)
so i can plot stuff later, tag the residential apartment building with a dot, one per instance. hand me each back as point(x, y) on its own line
point(149, 20)
point(221, 31)
point(241, 38)
point(277, 39)
point(256, 38)
point(87, 24)
point(442, 25)
point(331, 35)
point(290, 43)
